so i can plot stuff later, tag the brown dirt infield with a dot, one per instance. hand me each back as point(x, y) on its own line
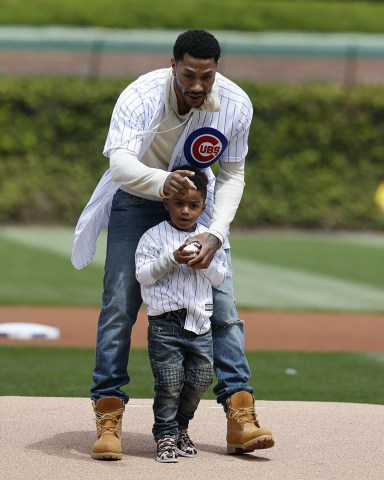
point(291, 331)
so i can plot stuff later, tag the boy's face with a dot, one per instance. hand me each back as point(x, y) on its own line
point(184, 211)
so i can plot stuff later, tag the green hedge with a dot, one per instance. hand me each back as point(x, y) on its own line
point(246, 15)
point(316, 157)
point(315, 160)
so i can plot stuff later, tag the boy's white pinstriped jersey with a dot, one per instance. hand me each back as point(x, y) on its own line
point(134, 123)
point(181, 286)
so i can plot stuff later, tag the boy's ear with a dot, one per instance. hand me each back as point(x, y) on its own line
point(165, 203)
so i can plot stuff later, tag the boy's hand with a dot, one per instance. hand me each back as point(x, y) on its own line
point(187, 252)
point(209, 246)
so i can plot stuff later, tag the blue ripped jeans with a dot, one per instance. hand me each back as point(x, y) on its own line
point(182, 366)
point(130, 217)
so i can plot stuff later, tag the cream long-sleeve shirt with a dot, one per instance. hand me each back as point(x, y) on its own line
point(146, 177)
point(135, 124)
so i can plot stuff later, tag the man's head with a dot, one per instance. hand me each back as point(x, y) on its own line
point(198, 43)
point(184, 211)
point(196, 55)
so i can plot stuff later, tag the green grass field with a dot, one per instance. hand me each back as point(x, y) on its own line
point(272, 271)
point(66, 372)
point(286, 271)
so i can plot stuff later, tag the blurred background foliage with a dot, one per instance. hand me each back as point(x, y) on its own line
point(245, 15)
point(316, 150)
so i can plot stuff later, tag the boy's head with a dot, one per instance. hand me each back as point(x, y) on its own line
point(200, 179)
point(184, 211)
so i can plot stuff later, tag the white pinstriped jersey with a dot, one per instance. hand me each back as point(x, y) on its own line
point(181, 286)
point(134, 122)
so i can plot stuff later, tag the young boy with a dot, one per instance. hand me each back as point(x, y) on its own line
point(179, 305)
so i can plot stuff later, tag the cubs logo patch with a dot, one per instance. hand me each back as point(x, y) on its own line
point(204, 147)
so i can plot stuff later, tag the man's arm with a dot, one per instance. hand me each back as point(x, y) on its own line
point(127, 170)
point(229, 188)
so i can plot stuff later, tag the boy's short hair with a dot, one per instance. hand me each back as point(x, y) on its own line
point(198, 43)
point(200, 179)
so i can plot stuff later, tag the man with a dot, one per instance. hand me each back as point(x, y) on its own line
point(188, 113)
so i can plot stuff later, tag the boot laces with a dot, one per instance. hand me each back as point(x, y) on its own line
point(109, 422)
point(244, 415)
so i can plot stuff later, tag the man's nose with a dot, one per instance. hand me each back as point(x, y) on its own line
point(197, 86)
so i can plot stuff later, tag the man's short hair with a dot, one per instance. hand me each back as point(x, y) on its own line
point(200, 179)
point(198, 43)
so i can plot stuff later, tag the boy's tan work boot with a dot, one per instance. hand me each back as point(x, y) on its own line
point(244, 433)
point(109, 415)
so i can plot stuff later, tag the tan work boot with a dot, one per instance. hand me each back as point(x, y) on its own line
point(244, 433)
point(109, 415)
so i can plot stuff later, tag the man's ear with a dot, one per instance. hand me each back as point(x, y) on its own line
point(173, 65)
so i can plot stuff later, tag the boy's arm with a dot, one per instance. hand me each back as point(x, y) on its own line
point(151, 265)
point(161, 266)
point(218, 268)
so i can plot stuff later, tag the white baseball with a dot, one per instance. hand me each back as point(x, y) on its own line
point(193, 248)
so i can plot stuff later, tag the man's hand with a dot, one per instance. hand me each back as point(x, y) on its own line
point(209, 246)
point(178, 182)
